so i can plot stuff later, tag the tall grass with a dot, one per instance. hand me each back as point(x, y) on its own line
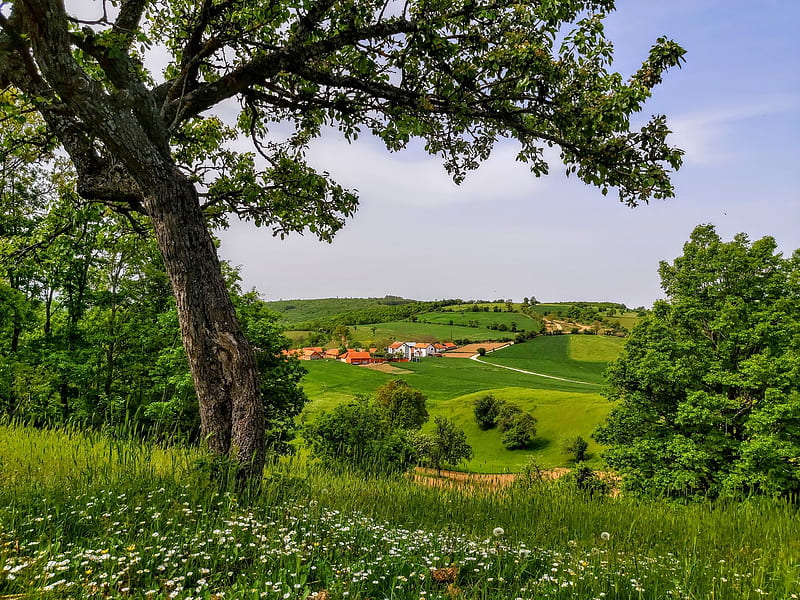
point(84, 516)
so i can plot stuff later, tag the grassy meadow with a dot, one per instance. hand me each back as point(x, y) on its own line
point(563, 409)
point(483, 319)
point(579, 357)
point(88, 516)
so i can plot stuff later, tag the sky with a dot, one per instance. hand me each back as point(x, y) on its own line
point(734, 107)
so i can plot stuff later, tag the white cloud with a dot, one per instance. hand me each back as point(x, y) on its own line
point(703, 134)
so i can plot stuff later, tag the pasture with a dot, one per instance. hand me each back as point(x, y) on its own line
point(579, 357)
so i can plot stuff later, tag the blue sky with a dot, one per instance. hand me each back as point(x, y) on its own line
point(734, 107)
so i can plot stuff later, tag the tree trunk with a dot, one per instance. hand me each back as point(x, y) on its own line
point(222, 361)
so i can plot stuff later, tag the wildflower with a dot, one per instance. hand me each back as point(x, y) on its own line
point(498, 531)
point(524, 553)
point(605, 536)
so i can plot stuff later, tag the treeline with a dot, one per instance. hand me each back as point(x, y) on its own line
point(88, 326)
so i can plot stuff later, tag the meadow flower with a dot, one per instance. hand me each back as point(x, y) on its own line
point(605, 536)
point(498, 531)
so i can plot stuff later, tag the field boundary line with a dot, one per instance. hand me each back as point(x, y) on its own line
point(477, 358)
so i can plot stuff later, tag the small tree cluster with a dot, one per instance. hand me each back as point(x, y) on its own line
point(519, 427)
point(355, 435)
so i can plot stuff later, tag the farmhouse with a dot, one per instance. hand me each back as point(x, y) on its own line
point(356, 357)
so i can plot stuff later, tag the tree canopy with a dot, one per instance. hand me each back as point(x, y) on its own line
point(708, 385)
point(153, 144)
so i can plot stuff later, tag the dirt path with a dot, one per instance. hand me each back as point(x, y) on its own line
point(494, 481)
point(490, 481)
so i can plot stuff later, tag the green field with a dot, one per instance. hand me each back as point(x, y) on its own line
point(483, 319)
point(579, 357)
point(298, 311)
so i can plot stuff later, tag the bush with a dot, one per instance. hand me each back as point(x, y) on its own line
point(482, 351)
point(521, 432)
point(355, 435)
point(487, 410)
point(402, 406)
point(587, 480)
point(575, 448)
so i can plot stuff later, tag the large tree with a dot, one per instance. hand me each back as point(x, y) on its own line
point(458, 74)
point(708, 385)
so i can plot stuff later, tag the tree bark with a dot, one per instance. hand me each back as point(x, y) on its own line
point(222, 361)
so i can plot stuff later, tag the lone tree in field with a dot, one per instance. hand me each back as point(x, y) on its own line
point(459, 74)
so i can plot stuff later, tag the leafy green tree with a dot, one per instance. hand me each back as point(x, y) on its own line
point(576, 448)
point(519, 431)
point(446, 445)
point(402, 406)
point(487, 409)
point(354, 435)
point(457, 74)
point(707, 392)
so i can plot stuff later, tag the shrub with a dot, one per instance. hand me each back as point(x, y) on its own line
point(487, 410)
point(521, 432)
point(355, 435)
point(402, 406)
point(575, 448)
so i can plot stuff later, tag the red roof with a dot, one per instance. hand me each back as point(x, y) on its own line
point(396, 345)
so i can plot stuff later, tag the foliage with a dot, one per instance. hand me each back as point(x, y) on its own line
point(446, 445)
point(707, 386)
point(584, 478)
point(576, 448)
point(402, 406)
point(92, 334)
point(355, 435)
point(487, 409)
point(519, 431)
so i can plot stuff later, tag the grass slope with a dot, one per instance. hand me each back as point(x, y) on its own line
point(553, 355)
point(484, 319)
point(560, 415)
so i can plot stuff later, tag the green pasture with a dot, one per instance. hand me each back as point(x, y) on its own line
point(560, 415)
point(594, 348)
point(569, 356)
point(298, 311)
point(484, 319)
point(627, 320)
point(296, 335)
